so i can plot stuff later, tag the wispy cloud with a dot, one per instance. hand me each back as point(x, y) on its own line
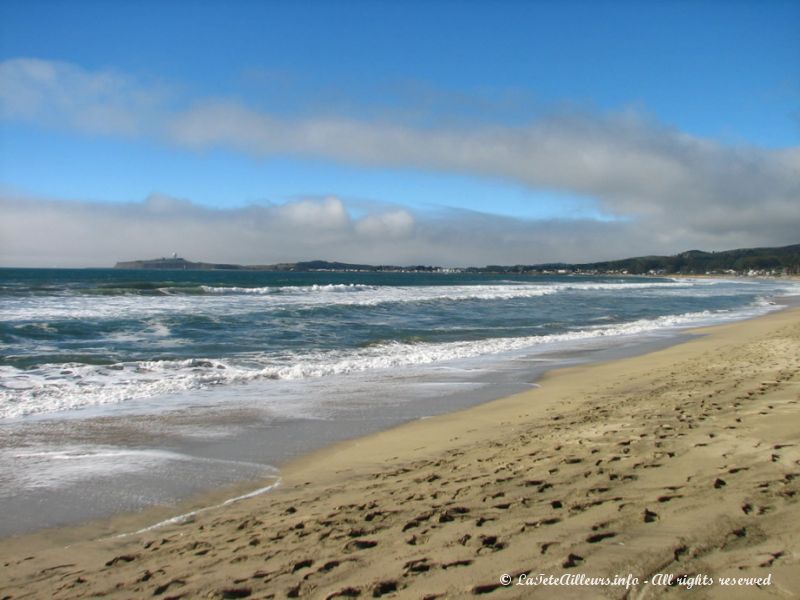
point(674, 190)
point(65, 96)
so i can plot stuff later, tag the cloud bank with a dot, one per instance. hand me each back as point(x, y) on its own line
point(671, 190)
point(44, 232)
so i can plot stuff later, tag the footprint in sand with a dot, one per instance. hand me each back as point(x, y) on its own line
point(384, 587)
point(546, 546)
point(599, 537)
point(573, 560)
point(242, 592)
point(668, 497)
point(348, 592)
point(359, 545)
point(491, 543)
point(773, 557)
point(650, 516)
point(415, 567)
point(303, 564)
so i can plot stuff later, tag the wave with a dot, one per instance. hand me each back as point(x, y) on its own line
point(370, 295)
point(224, 300)
point(59, 387)
point(291, 289)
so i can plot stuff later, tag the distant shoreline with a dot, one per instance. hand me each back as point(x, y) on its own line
point(752, 262)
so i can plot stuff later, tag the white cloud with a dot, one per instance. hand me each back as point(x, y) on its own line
point(44, 232)
point(41, 232)
point(674, 190)
point(396, 224)
point(63, 95)
point(632, 166)
point(326, 214)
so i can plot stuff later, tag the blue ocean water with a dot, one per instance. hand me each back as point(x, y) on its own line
point(72, 339)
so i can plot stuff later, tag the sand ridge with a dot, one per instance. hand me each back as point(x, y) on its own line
point(685, 461)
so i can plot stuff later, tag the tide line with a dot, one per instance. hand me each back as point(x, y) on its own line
point(182, 518)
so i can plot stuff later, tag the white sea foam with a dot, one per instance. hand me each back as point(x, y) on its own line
point(58, 387)
point(44, 467)
point(184, 517)
point(236, 300)
point(294, 289)
point(243, 300)
point(373, 294)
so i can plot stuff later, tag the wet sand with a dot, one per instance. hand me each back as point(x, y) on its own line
point(62, 470)
point(683, 462)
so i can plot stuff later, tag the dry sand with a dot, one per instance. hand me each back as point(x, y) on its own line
point(685, 461)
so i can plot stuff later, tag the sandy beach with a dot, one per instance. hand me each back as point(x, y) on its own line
point(681, 462)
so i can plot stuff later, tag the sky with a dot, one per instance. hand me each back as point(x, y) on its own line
point(449, 133)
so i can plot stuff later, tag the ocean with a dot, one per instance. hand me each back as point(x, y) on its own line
point(148, 386)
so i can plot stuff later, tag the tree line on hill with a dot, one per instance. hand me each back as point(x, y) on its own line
point(744, 261)
point(784, 260)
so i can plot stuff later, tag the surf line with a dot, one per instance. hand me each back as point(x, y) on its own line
point(182, 518)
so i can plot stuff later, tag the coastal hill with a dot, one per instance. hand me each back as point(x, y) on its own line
point(182, 264)
point(744, 261)
point(754, 261)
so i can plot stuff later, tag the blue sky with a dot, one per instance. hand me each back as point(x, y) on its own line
point(423, 107)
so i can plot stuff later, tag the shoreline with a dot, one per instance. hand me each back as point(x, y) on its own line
point(250, 448)
point(130, 434)
point(213, 497)
point(419, 461)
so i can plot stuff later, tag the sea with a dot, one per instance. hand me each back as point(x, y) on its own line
point(123, 389)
